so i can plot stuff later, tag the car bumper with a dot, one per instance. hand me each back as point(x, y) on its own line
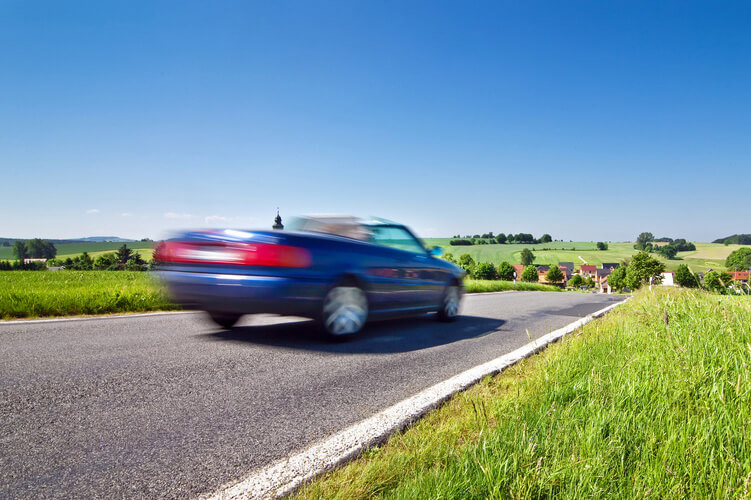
point(247, 294)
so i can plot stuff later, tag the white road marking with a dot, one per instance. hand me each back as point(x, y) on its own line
point(89, 318)
point(284, 476)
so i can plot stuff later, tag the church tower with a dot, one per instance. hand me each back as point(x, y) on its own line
point(278, 221)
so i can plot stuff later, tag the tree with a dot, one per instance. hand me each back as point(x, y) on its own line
point(739, 260)
point(467, 263)
point(501, 238)
point(576, 281)
point(668, 251)
point(530, 274)
point(555, 275)
point(106, 262)
point(123, 255)
point(546, 238)
point(41, 249)
point(484, 271)
point(685, 278)
point(20, 251)
point(617, 278)
point(602, 245)
point(641, 268)
point(524, 238)
point(449, 257)
point(527, 257)
point(643, 240)
point(505, 271)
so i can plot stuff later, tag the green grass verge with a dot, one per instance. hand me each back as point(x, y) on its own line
point(478, 286)
point(630, 406)
point(29, 294)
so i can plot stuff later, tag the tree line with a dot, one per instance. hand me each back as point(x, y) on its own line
point(646, 242)
point(123, 259)
point(501, 239)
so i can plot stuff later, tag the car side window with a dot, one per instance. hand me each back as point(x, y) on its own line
point(396, 237)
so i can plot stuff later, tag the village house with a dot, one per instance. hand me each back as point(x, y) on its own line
point(739, 276)
point(587, 270)
point(668, 278)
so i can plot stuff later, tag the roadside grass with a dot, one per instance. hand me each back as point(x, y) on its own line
point(30, 294)
point(479, 286)
point(653, 400)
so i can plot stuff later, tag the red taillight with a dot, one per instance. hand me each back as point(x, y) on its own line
point(246, 254)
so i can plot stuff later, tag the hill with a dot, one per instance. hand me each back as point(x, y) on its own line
point(706, 256)
point(736, 239)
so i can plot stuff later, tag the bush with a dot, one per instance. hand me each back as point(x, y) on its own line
point(617, 278)
point(601, 245)
point(530, 274)
point(505, 271)
point(484, 271)
point(717, 281)
point(461, 242)
point(576, 281)
point(467, 263)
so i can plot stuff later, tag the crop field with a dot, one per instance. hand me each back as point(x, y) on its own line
point(706, 256)
point(29, 294)
point(65, 250)
point(651, 401)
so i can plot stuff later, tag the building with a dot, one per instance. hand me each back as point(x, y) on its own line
point(587, 271)
point(668, 278)
point(739, 276)
point(567, 268)
point(610, 265)
point(518, 269)
point(278, 221)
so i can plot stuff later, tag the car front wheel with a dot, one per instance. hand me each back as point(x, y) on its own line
point(449, 308)
point(345, 311)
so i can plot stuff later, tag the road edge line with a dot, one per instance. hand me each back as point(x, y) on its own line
point(285, 476)
point(89, 318)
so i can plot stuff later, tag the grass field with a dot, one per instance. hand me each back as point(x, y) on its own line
point(479, 286)
point(28, 294)
point(706, 256)
point(65, 250)
point(631, 406)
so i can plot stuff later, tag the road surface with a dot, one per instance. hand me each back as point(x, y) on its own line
point(171, 406)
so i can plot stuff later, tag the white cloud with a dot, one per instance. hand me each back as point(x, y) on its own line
point(173, 215)
point(126, 214)
point(92, 211)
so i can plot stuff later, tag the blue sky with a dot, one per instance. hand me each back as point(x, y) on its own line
point(591, 120)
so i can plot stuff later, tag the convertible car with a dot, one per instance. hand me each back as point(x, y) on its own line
point(341, 271)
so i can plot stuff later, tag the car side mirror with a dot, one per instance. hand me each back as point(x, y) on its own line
point(436, 251)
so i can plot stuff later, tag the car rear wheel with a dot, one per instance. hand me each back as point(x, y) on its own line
point(225, 320)
point(345, 311)
point(449, 308)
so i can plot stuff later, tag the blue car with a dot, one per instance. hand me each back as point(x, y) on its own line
point(341, 271)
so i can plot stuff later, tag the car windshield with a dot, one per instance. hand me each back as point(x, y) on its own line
point(395, 237)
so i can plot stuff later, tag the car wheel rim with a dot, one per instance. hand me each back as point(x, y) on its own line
point(345, 310)
point(451, 302)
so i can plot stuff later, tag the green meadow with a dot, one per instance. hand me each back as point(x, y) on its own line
point(30, 294)
point(706, 256)
point(95, 249)
point(651, 401)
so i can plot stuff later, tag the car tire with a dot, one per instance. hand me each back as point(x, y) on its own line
point(344, 311)
point(449, 307)
point(225, 320)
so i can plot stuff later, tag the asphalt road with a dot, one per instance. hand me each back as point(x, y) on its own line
point(171, 406)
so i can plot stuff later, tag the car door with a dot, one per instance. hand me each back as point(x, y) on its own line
point(412, 279)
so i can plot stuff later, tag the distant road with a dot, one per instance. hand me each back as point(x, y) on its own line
point(170, 406)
